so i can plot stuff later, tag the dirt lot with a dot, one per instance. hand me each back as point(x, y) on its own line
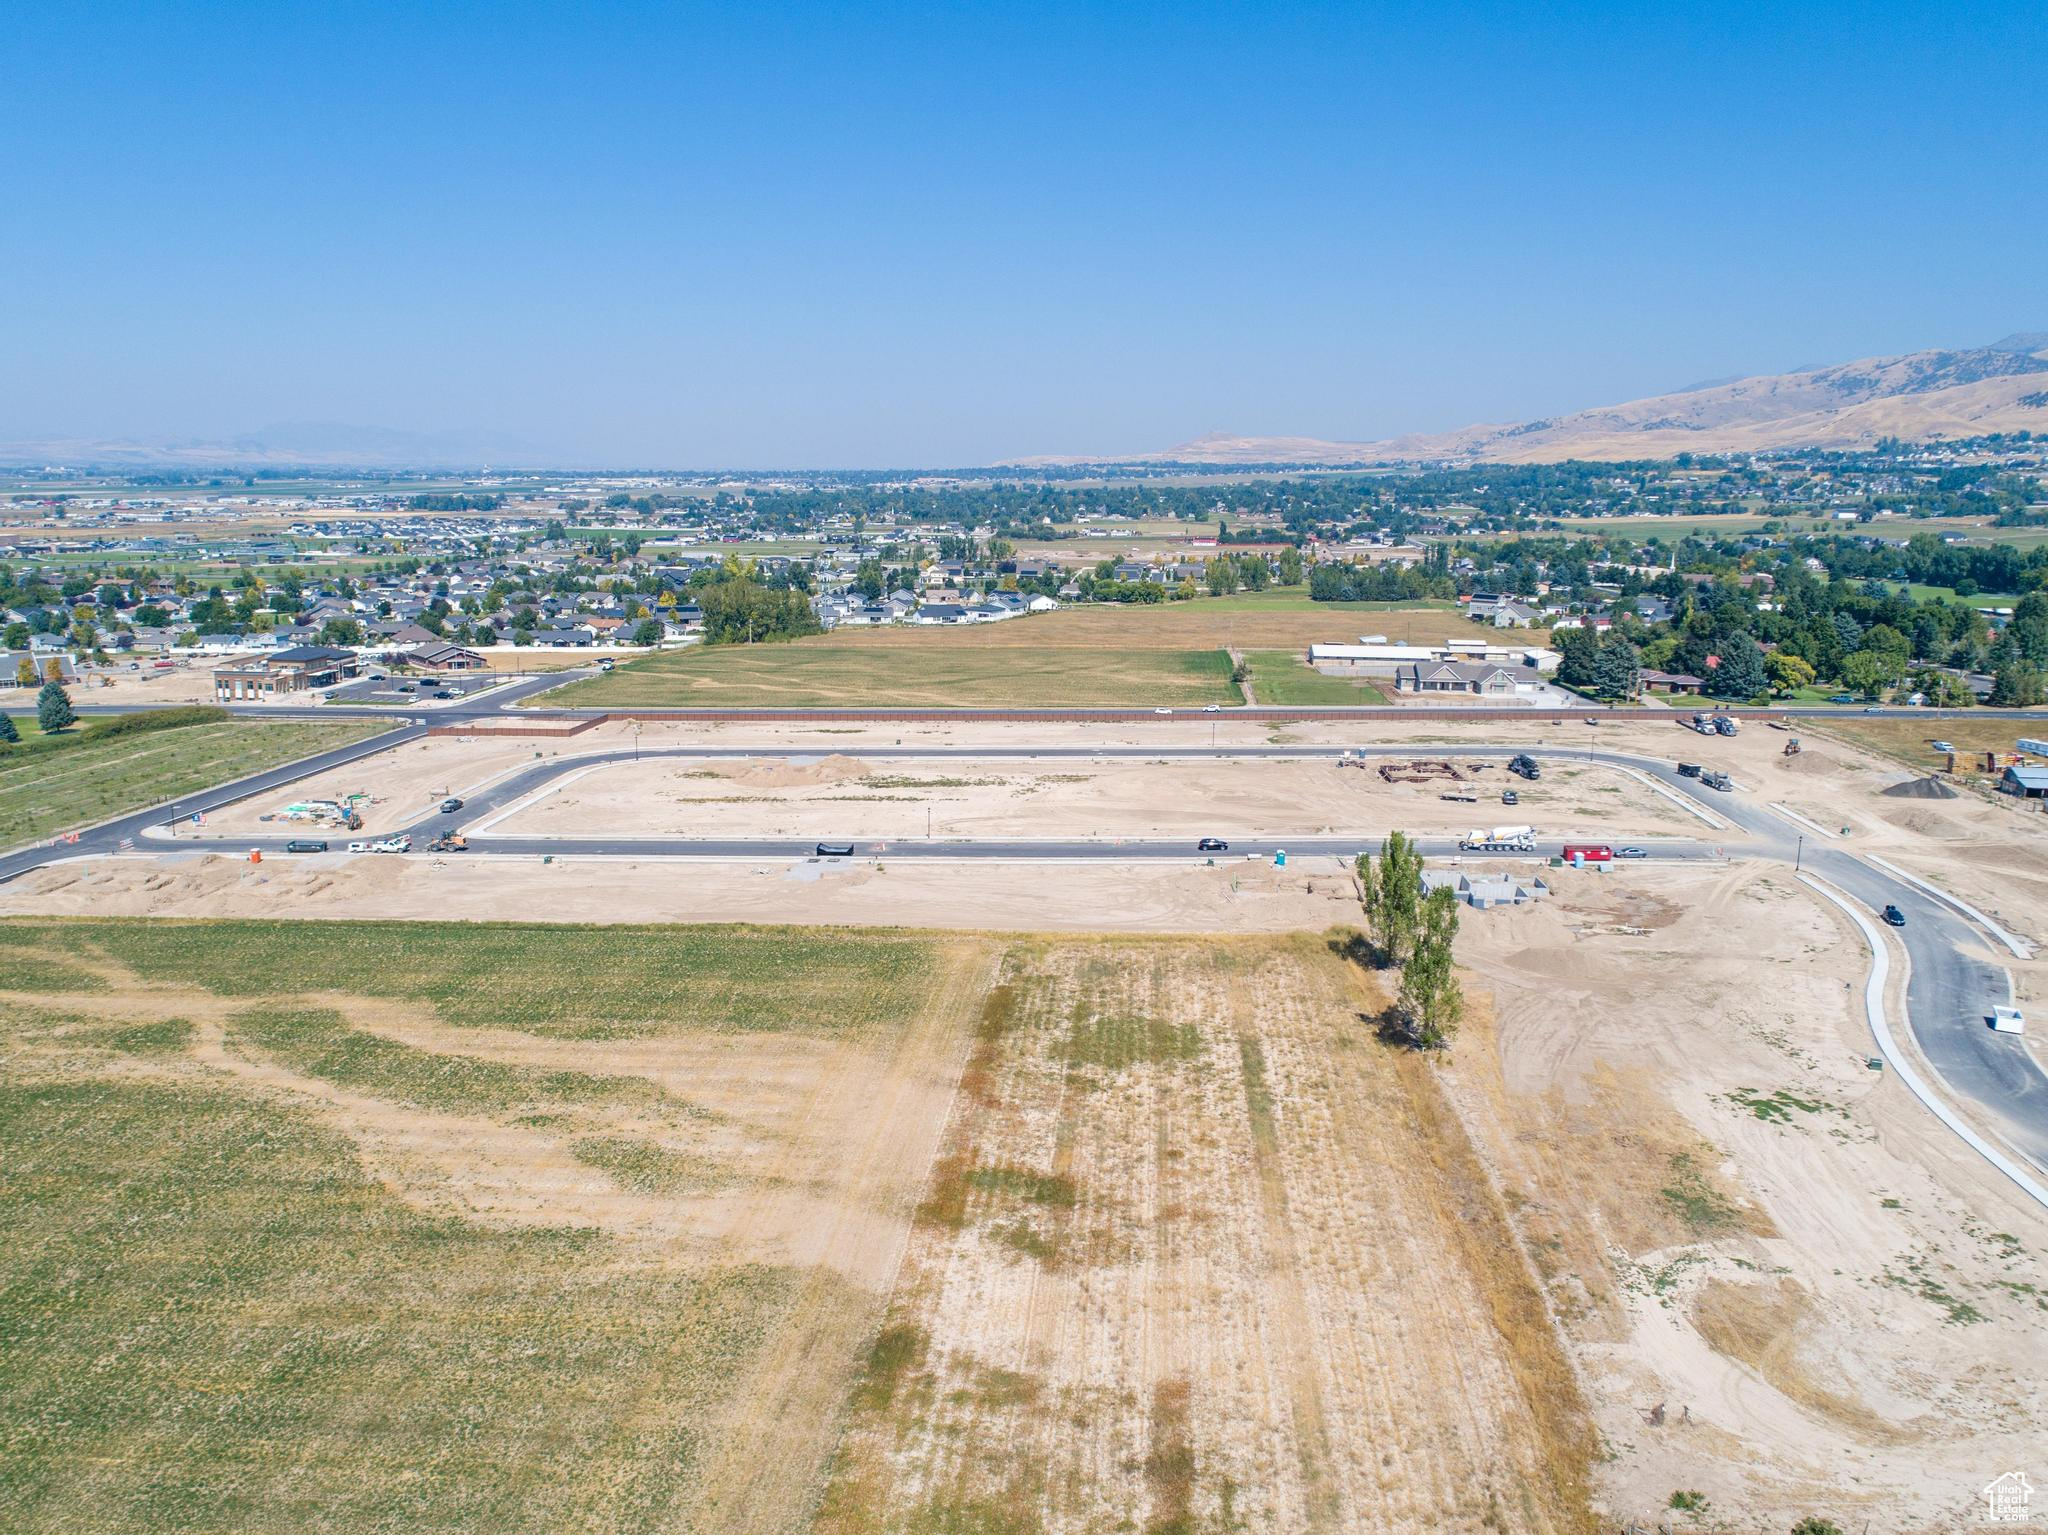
point(1836, 1306)
point(1232, 896)
point(406, 782)
point(1074, 797)
point(184, 683)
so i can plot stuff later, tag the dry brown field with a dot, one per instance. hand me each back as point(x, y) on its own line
point(1097, 1205)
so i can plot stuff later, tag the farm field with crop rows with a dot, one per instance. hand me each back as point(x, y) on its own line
point(355, 1209)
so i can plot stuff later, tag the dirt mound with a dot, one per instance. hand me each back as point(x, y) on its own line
point(1811, 763)
point(1921, 788)
point(795, 773)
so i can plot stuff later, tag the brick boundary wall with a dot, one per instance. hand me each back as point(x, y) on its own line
point(543, 725)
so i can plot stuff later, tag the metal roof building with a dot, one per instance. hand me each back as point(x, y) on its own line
point(2026, 782)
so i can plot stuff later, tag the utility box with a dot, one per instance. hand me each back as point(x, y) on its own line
point(2008, 1020)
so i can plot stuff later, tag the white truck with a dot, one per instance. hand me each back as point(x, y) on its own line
point(1501, 839)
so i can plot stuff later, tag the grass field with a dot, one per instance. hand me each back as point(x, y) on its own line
point(497, 1228)
point(1102, 655)
point(1282, 677)
point(47, 790)
point(597, 982)
point(825, 674)
point(1907, 741)
point(286, 1252)
point(1734, 524)
point(1920, 592)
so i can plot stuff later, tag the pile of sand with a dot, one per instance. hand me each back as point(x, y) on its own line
point(1812, 763)
point(1930, 787)
point(775, 774)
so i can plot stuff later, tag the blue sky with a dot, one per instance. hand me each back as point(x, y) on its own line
point(878, 235)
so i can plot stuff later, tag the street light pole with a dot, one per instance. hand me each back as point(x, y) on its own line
point(1799, 853)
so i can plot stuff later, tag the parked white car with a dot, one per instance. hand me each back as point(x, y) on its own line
point(359, 847)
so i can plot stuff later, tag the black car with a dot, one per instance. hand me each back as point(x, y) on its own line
point(450, 805)
point(835, 849)
point(305, 845)
point(1212, 845)
point(1894, 916)
point(1510, 797)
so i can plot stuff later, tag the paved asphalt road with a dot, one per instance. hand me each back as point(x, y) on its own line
point(108, 835)
point(1951, 991)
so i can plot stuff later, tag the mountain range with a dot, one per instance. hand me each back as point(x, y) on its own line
point(1917, 396)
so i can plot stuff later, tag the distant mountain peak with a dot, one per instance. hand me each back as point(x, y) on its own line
point(2027, 341)
point(1940, 393)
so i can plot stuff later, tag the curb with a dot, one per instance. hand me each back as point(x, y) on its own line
point(1880, 1028)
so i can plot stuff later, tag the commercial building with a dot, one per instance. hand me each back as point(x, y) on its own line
point(295, 670)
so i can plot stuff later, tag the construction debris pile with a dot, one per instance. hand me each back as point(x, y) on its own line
point(1422, 770)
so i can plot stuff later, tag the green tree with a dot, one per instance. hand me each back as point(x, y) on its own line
point(1788, 673)
point(1578, 652)
point(1392, 890)
point(9, 734)
point(2018, 685)
point(1813, 1524)
point(1617, 672)
point(647, 632)
point(1865, 672)
point(1431, 1002)
point(53, 708)
point(1740, 670)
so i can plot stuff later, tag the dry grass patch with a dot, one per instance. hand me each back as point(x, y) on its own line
point(1199, 1255)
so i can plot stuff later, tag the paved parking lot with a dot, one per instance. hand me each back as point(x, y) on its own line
point(402, 691)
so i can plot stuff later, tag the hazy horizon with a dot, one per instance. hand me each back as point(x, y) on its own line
point(678, 237)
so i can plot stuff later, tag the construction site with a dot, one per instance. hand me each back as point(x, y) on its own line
point(1152, 1219)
